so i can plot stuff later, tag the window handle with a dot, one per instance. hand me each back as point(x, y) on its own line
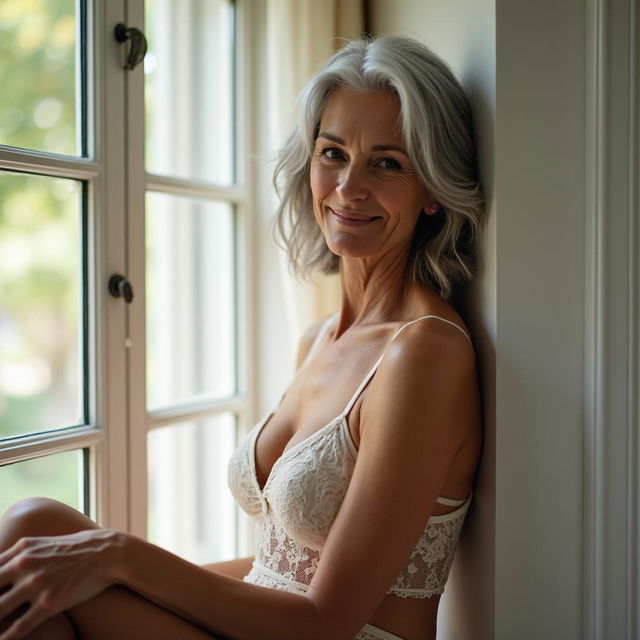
point(120, 287)
point(138, 48)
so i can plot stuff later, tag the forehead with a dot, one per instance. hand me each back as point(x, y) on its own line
point(374, 113)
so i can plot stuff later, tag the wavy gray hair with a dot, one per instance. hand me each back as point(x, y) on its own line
point(437, 130)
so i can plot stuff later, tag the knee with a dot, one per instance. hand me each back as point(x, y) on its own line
point(33, 512)
point(40, 517)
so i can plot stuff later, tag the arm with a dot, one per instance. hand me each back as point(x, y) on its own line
point(224, 605)
point(237, 568)
point(420, 409)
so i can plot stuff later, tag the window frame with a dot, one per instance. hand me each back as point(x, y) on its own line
point(89, 170)
point(239, 195)
point(116, 182)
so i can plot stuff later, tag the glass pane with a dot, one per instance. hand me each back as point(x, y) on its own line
point(41, 380)
point(189, 89)
point(190, 299)
point(59, 476)
point(191, 511)
point(38, 75)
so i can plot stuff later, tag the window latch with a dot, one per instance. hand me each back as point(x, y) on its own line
point(120, 287)
point(138, 48)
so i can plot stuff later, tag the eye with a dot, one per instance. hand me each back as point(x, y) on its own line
point(331, 153)
point(388, 163)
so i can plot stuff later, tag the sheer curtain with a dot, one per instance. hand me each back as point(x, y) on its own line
point(301, 35)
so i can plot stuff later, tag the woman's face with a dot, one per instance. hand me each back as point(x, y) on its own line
point(366, 194)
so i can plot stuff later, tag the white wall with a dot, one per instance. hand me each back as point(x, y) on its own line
point(517, 574)
point(540, 196)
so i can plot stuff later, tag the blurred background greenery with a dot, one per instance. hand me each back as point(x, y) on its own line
point(40, 244)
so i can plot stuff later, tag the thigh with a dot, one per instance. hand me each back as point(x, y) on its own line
point(115, 613)
point(123, 614)
point(57, 628)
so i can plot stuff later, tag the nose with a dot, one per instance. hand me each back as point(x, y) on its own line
point(352, 183)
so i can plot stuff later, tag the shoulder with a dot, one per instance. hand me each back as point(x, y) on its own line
point(308, 338)
point(427, 380)
point(430, 345)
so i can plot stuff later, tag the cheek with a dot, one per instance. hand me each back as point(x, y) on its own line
point(321, 182)
point(408, 198)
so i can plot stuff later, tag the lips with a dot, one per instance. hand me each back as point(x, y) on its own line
point(352, 219)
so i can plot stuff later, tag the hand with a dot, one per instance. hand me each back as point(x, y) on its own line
point(52, 574)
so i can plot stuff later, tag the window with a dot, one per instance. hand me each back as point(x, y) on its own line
point(190, 228)
point(127, 411)
point(46, 370)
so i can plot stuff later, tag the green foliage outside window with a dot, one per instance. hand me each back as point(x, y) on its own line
point(40, 245)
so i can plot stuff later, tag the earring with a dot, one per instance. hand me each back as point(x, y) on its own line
point(434, 206)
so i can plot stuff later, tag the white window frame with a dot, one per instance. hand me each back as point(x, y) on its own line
point(116, 435)
point(240, 196)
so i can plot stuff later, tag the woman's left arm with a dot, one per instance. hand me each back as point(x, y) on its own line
point(56, 573)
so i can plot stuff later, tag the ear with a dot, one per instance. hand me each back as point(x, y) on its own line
point(432, 207)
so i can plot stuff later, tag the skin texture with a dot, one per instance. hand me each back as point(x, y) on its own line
point(359, 169)
point(416, 426)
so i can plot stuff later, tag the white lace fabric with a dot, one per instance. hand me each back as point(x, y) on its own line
point(295, 509)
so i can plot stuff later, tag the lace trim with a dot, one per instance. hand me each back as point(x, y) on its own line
point(420, 594)
point(259, 570)
point(369, 632)
point(264, 577)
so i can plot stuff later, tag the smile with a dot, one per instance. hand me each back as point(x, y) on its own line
point(352, 220)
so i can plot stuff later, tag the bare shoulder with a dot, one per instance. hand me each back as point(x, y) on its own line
point(307, 340)
point(427, 380)
point(431, 345)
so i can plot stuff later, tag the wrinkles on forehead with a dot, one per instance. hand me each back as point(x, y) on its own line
point(372, 118)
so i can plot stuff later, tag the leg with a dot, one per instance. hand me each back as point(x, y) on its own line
point(115, 613)
point(57, 628)
point(36, 517)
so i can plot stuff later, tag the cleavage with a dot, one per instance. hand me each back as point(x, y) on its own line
point(280, 433)
point(318, 394)
point(297, 419)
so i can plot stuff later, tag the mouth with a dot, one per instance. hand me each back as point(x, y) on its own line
point(351, 219)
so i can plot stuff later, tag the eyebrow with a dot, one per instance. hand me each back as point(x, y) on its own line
point(377, 147)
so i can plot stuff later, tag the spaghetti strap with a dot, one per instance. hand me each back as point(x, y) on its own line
point(450, 502)
point(373, 369)
point(453, 324)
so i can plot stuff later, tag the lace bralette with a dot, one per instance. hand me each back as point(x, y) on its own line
point(296, 507)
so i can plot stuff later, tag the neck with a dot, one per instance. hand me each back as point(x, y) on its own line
point(374, 291)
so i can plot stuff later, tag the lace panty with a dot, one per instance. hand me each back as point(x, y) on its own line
point(369, 632)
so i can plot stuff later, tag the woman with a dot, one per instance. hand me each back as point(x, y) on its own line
point(361, 477)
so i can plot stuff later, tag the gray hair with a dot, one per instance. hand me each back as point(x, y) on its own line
point(437, 130)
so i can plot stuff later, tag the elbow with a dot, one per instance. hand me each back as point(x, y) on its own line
point(324, 625)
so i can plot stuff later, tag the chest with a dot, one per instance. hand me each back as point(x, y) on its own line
point(318, 394)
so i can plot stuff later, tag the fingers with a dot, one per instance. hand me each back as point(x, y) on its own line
point(23, 625)
point(26, 617)
point(8, 554)
point(12, 607)
point(14, 594)
point(8, 569)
